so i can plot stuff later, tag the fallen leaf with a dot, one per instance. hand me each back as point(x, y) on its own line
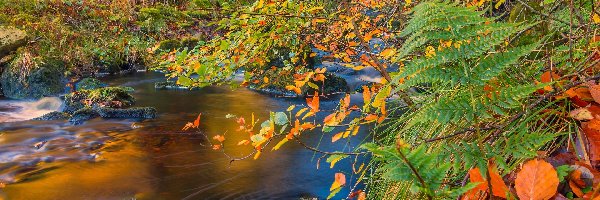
point(537, 180)
point(595, 92)
point(581, 114)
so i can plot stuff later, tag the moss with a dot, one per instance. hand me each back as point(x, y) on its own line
point(189, 43)
point(110, 94)
point(30, 77)
point(89, 84)
point(11, 39)
point(168, 45)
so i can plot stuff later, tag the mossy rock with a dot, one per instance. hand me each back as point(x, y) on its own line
point(83, 115)
point(168, 45)
point(89, 84)
point(128, 113)
point(11, 39)
point(189, 43)
point(27, 77)
point(54, 116)
point(114, 97)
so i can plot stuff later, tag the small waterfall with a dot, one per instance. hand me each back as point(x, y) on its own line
point(15, 110)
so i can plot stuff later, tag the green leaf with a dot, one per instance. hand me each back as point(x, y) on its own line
point(281, 118)
point(335, 158)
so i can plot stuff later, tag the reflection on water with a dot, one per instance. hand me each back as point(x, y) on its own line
point(154, 159)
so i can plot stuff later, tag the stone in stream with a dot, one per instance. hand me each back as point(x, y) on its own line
point(114, 97)
point(54, 116)
point(29, 77)
point(129, 113)
point(83, 115)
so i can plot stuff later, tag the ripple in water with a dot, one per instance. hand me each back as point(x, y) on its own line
point(18, 110)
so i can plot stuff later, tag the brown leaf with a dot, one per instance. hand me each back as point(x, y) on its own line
point(537, 180)
point(595, 92)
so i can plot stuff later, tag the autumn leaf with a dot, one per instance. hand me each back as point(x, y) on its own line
point(595, 93)
point(197, 121)
point(340, 180)
point(387, 53)
point(499, 188)
point(481, 187)
point(216, 147)
point(337, 137)
point(243, 142)
point(537, 180)
point(219, 138)
point(278, 145)
point(294, 88)
point(371, 117)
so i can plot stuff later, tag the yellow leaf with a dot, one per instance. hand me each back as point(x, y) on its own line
point(257, 155)
point(387, 53)
point(291, 108)
point(408, 2)
point(243, 142)
point(499, 3)
point(276, 147)
point(318, 20)
point(301, 111)
point(266, 79)
point(596, 18)
point(335, 160)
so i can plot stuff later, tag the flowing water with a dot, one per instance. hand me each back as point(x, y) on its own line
point(155, 159)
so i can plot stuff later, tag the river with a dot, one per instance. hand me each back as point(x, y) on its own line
point(155, 159)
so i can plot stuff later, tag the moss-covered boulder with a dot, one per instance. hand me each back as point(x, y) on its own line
point(112, 97)
point(11, 39)
point(54, 116)
point(89, 84)
point(128, 113)
point(83, 115)
point(28, 77)
point(168, 45)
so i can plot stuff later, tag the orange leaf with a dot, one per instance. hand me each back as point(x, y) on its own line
point(480, 189)
point(366, 94)
point(313, 102)
point(216, 146)
point(499, 188)
point(306, 126)
point(549, 77)
point(219, 138)
point(197, 121)
point(337, 137)
point(537, 180)
point(340, 180)
point(371, 117)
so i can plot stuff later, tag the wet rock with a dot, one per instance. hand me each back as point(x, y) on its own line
point(83, 115)
point(11, 39)
point(168, 46)
point(128, 113)
point(28, 77)
point(54, 116)
point(74, 101)
point(89, 84)
point(114, 97)
point(171, 85)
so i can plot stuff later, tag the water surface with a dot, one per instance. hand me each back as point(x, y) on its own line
point(155, 159)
